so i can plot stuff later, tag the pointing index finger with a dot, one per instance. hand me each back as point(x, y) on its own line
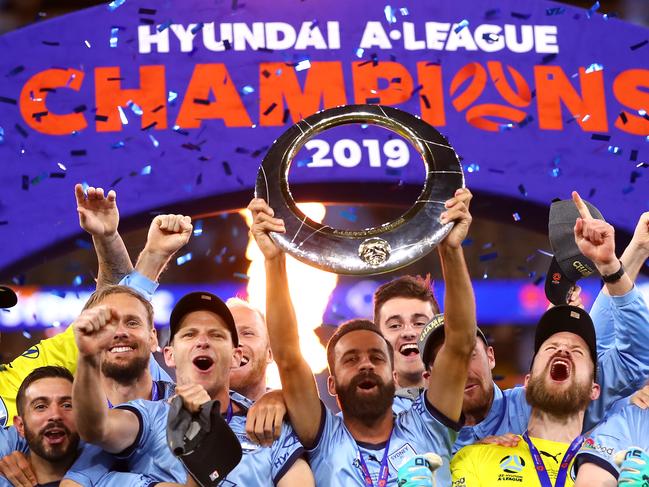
point(583, 210)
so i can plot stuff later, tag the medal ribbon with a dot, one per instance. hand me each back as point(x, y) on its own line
point(562, 474)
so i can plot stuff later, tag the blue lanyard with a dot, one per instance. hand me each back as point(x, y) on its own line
point(562, 474)
point(384, 470)
point(155, 395)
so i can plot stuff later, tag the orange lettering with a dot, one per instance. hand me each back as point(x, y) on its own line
point(366, 82)
point(197, 106)
point(33, 98)
point(626, 88)
point(150, 97)
point(431, 95)
point(324, 87)
point(553, 87)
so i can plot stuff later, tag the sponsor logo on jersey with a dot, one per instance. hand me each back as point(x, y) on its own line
point(33, 352)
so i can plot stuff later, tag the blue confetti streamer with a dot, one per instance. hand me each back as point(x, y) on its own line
point(545, 252)
point(118, 145)
point(359, 52)
point(594, 67)
point(77, 281)
point(473, 168)
point(198, 228)
point(61, 166)
point(146, 170)
point(389, 14)
point(349, 214)
point(246, 90)
point(404, 11)
point(2, 135)
point(113, 36)
point(303, 65)
point(87, 43)
point(172, 96)
point(613, 149)
point(555, 11)
point(463, 23)
point(555, 172)
point(183, 259)
point(134, 108)
point(164, 26)
point(154, 141)
point(115, 4)
point(516, 217)
point(592, 10)
point(26, 334)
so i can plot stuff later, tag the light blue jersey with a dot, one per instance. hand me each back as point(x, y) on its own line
point(629, 427)
point(11, 441)
point(421, 429)
point(259, 465)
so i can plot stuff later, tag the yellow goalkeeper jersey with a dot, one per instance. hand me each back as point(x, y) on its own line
point(501, 466)
point(59, 350)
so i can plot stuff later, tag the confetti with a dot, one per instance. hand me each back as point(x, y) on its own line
point(613, 149)
point(198, 228)
point(87, 44)
point(473, 167)
point(164, 26)
point(490, 37)
point(83, 244)
point(594, 67)
point(15, 71)
point(118, 145)
point(463, 23)
point(197, 28)
point(113, 36)
point(146, 170)
point(492, 13)
point(183, 259)
point(26, 334)
point(122, 115)
point(389, 14)
point(77, 281)
point(634, 156)
point(518, 15)
point(115, 4)
point(359, 52)
point(349, 214)
point(600, 137)
point(154, 141)
point(246, 90)
point(61, 166)
point(303, 65)
point(592, 10)
point(239, 275)
point(522, 190)
point(555, 172)
point(134, 108)
point(555, 11)
point(637, 46)
point(172, 96)
point(404, 11)
point(2, 135)
point(516, 217)
point(545, 252)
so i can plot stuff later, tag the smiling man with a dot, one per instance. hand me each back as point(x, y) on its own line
point(559, 388)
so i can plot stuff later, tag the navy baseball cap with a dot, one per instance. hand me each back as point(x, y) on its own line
point(566, 318)
point(568, 264)
point(201, 301)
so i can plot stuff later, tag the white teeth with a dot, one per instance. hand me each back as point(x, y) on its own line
point(244, 361)
point(409, 346)
point(121, 349)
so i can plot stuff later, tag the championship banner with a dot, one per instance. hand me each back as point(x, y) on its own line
point(174, 104)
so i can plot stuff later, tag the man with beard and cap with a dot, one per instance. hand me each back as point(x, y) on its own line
point(367, 444)
point(203, 349)
point(620, 316)
point(559, 387)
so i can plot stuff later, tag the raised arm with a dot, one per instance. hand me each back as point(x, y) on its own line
point(98, 215)
point(448, 375)
point(298, 383)
point(114, 430)
point(167, 234)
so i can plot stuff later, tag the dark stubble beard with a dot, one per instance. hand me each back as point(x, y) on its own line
point(571, 400)
point(57, 453)
point(125, 373)
point(367, 408)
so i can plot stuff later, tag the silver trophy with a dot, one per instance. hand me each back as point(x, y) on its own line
point(373, 250)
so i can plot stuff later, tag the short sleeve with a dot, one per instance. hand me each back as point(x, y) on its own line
point(284, 452)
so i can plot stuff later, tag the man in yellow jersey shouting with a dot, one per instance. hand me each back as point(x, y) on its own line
point(559, 388)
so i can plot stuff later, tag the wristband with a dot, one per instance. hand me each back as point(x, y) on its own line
point(616, 276)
